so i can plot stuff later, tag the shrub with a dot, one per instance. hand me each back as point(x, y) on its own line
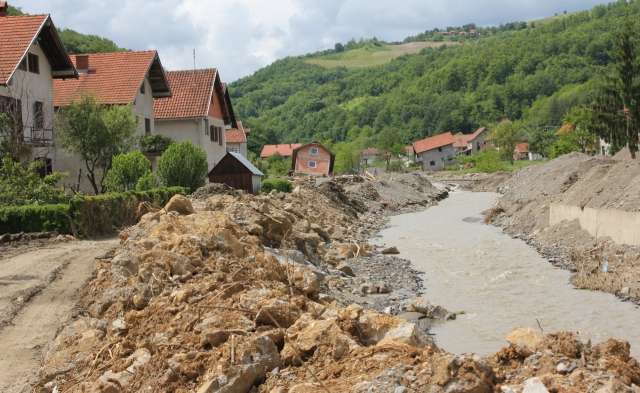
point(154, 144)
point(487, 161)
point(396, 166)
point(147, 182)
point(126, 170)
point(183, 164)
point(35, 218)
point(281, 185)
point(22, 185)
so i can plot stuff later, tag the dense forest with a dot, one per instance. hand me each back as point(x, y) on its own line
point(535, 72)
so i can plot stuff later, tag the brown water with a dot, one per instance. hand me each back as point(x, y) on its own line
point(499, 282)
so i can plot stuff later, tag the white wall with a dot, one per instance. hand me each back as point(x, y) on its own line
point(439, 157)
point(143, 107)
point(238, 148)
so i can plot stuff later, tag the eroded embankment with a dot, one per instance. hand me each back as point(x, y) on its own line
point(197, 300)
point(567, 209)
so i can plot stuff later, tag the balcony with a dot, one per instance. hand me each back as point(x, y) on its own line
point(38, 136)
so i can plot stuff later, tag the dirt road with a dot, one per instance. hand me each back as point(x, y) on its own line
point(38, 291)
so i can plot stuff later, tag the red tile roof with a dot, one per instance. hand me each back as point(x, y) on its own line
point(522, 148)
point(16, 35)
point(434, 142)
point(113, 78)
point(462, 140)
point(370, 152)
point(191, 97)
point(236, 135)
point(285, 150)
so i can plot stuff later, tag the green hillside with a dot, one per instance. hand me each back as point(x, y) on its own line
point(533, 71)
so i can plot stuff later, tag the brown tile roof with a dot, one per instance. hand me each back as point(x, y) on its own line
point(522, 148)
point(462, 140)
point(16, 35)
point(434, 142)
point(113, 78)
point(285, 150)
point(236, 135)
point(191, 95)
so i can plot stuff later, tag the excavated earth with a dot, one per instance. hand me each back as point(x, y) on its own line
point(227, 292)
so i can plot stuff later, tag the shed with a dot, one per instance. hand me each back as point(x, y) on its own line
point(236, 171)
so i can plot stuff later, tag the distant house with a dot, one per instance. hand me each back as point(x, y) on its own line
point(471, 143)
point(284, 150)
point(238, 172)
point(199, 111)
point(312, 159)
point(410, 153)
point(369, 156)
point(31, 57)
point(118, 78)
point(521, 152)
point(236, 139)
point(436, 152)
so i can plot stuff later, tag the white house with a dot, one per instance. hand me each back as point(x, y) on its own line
point(236, 139)
point(436, 152)
point(199, 111)
point(31, 57)
point(471, 143)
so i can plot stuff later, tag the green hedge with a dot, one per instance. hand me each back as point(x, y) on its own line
point(35, 218)
point(281, 185)
point(85, 216)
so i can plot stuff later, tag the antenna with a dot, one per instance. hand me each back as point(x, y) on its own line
point(194, 59)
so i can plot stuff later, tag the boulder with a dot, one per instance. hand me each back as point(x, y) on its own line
point(346, 269)
point(407, 333)
point(534, 385)
point(180, 204)
point(391, 251)
point(277, 313)
point(525, 337)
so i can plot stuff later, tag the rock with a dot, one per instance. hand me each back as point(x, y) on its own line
point(429, 310)
point(346, 269)
point(277, 313)
point(407, 333)
point(391, 251)
point(124, 265)
point(307, 281)
point(214, 338)
point(525, 337)
point(534, 385)
point(626, 291)
point(180, 204)
point(119, 326)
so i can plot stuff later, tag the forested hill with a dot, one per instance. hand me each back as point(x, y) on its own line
point(76, 42)
point(535, 72)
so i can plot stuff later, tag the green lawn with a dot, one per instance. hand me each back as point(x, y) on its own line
point(372, 55)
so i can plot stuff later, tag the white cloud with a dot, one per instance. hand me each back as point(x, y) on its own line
point(240, 36)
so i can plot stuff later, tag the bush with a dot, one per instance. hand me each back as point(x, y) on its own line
point(281, 185)
point(154, 144)
point(147, 182)
point(126, 170)
point(35, 218)
point(183, 164)
point(22, 185)
point(487, 161)
point(396, 166)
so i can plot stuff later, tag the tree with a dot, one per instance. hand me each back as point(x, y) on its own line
point(390, 146)
point(126, 171)
point(183, 164)
point(97, 133)
point(506, 136)
point(20, 184)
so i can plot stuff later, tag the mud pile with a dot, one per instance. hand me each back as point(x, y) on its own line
point(584, 182)
point(232, 293)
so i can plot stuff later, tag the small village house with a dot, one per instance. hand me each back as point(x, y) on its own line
point(468, 144)
point(236, 171)
point(312, 159)
point(369, 156)
point(282, 150)
point(118, 78)
point(521, 152)
point(236, 139)
point(436, 152)
point(409, 154)
point(31, 57)
point(198, 111)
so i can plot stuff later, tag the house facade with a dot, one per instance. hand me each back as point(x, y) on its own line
point(31, 57)
point(312, 159)
point(471, 143)
point(236, 139)
point(436, 152)
point(369, 156)
point(103, 76)
point(199, 111)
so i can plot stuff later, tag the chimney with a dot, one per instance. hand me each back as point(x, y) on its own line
point(4, 8)
point(82, 63)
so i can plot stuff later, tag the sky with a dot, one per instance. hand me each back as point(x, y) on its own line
point(240, 36)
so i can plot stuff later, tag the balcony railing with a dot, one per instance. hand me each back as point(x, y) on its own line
point(38, 136)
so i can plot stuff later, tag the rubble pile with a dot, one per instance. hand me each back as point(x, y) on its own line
point(576, 180)
point(233, 293)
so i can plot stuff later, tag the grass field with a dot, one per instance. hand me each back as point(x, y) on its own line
point(373, 55)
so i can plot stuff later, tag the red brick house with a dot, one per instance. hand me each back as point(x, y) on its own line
point(312, 159)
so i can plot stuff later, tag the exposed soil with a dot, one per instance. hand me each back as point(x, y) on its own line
point(39, 291)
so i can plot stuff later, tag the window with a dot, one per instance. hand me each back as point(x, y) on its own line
point(142, 89)
point(440, 149)
point(313, 164)
point(147, 126)
point(432, 163)
point(314, 151)
point(213, 134)
point(38, 116)
point(46, 168)
point(34, 63)
point(220, 135)
point(23, 64)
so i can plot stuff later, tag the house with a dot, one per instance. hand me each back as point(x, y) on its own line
point(284, 150)
point(471, 143)
point(118, 78)
point(236, 139)
point(369, 156)
point(31, 57)
point(436, 152)
point(312, 159)
point(236, 171)
point(410, 154)
point(198, 111)
point(521, 152)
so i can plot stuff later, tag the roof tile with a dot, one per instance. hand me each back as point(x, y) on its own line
point(17, 33)
point(434, 142)
point(285, 150)
point(191, 95)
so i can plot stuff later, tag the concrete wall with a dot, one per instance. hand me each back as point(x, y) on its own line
point(143, 108)
point(622, 227)
point(237, 148)
point(436, 159)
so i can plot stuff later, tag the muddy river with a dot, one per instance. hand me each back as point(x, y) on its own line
point(498, 282)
